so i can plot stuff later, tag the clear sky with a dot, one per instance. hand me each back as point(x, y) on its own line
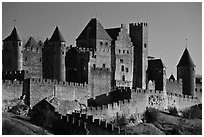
point(169, 24)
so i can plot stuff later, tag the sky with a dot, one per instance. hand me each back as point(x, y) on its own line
point(169, 24)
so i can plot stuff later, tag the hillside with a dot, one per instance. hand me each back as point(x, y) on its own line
point(19, 125)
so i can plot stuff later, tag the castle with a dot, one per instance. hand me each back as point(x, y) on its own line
point(109, 70)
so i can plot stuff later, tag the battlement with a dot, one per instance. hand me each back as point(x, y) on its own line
point(84, 121)
point(17, 72)
point(12, 75)
point(116, 95)
point(181, 96)
point(55, 82)
point(138, 25)
point(138, 91)
point(174, 81)
point(11, 82)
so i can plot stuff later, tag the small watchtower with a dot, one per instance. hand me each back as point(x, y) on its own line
point(12, 56)
point(186, 72)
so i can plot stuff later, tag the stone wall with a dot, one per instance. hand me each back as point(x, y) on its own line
point(42, 88)
point(174, 86)
point(11, 89)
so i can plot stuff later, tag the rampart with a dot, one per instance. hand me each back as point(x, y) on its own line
point(42, 88)
point(180, 101)
point(131, 107)
point(174, 86)
point(11, 89)
point(80, 124)
point(135, 103)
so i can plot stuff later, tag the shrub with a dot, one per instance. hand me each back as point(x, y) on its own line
point(151, 115)
point(173, 111)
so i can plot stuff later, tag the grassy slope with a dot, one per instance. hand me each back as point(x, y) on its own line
point(15, 125)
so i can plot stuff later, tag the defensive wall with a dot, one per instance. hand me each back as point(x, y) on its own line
point(11, 89)
point(105, 107)
point(174, 86)
point(81, 123)
point(38, 89)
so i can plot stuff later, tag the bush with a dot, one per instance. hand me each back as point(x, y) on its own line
point(151, 115)
point(195, 112)
point(173, 111)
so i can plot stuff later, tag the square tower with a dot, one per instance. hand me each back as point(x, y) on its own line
point(139, 38)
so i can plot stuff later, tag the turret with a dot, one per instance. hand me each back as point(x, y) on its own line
point(139, 38)
point(12, 52)
point(54, 56)
point(186, 72)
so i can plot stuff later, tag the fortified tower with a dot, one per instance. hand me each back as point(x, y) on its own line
point(123, 59)
point(98, 41)
point(12, 56)
point(54, 52)
point(186, 72)
point(139, 38)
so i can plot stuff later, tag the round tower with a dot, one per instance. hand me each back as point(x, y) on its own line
point(186, 72)
point(12, 56)
point(54, 57)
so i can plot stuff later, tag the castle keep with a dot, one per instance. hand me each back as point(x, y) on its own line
point(108, 70)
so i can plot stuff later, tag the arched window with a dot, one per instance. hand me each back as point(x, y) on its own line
point(119, 50)
point(122, 68)
point(94, 65)
point(123, 78)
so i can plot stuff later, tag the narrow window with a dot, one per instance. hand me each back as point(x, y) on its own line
point(104, 65)
point(119, 50)
point(94, 65)
point(195, 89)
point(121, 60)
point(200, 90)
point(122, 68)
point(106, 43)
point(123, 78)
point(127, 51)
point(101, 43)
point(145, 45)
point(26, 58)
point(127, 70)
point(123, 51)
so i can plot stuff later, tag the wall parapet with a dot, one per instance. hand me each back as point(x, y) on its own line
point(55, 82)
point(84, 121)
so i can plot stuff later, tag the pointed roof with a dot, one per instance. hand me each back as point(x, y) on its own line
point(113, 32)
point(13, 36)
point(57, 36)
point(172, 77)
point(156, 63)
point(186, 59)
point(31, 43)
point(94, 30)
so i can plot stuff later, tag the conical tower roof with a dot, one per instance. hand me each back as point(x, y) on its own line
point(186, 59)
point(95, 31)
point(172, 77)
point(13, 36)
point(31, 43)
point(57, 36)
